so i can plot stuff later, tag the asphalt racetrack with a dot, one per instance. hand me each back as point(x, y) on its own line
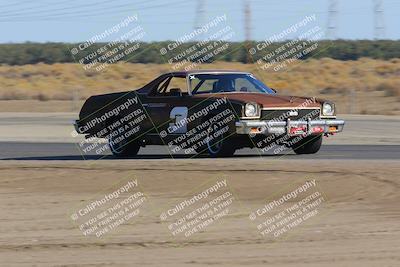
point(71, 151)
point(43, 136)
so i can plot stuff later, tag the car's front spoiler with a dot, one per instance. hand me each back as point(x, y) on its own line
point(328, 126)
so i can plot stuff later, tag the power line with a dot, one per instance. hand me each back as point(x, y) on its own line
point(10, 12)
point(85, 14)
point(73, 8)
point(15, 4)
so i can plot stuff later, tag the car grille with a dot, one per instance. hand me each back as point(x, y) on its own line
point(284, 114)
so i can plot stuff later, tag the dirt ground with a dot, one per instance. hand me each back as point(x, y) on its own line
point(356, 225)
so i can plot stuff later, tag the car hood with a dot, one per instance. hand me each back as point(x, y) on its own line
point(269, 101)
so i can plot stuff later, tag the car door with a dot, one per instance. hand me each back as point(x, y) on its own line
point(167, 107)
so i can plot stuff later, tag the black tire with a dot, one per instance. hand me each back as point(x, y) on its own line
point(219, 145)
point(124, 148)
point(310, 145)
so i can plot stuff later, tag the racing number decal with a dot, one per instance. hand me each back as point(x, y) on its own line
point(179, 115)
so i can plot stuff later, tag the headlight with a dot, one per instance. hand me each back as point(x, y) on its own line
point(328, 109)
point(251, 110)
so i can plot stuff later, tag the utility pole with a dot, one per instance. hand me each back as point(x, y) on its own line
point(247, 27)
point(333, 12)
point(200, 14)
point(379, 22)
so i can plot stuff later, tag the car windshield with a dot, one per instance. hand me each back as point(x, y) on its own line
point(228, 82)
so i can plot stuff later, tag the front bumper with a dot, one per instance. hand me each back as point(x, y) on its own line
point(290, 127)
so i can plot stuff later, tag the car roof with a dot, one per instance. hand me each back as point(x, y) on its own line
point(212, 71)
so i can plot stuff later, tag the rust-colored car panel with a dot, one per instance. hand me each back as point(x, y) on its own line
point(268, 101)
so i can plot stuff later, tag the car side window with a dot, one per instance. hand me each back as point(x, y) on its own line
point(173, 86)
point(206, 86)
point(161, 86)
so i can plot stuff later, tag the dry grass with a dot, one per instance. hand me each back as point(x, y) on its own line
point(364, 86)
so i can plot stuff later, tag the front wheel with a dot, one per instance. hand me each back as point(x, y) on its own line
point(309, 145)
point(218, 143)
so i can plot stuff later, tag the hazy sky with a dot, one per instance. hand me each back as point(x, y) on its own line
point(77, 20)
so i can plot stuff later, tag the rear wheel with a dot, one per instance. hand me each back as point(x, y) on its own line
point(122, 147)
point(308, 145)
